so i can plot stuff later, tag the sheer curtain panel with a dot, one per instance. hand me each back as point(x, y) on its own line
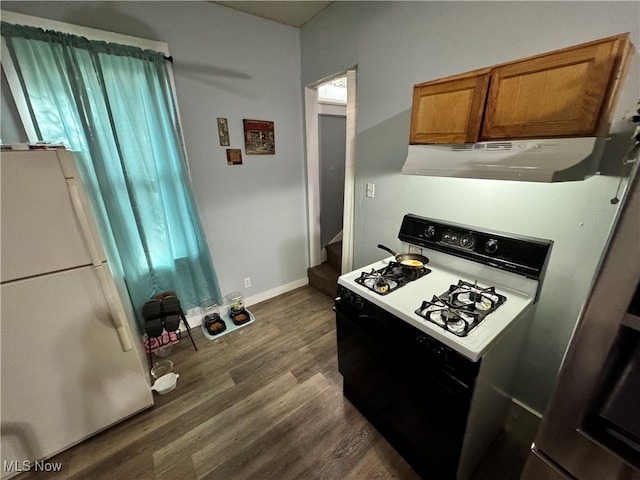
point(113, 105)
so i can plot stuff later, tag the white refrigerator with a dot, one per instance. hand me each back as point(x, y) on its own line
point(71, 360)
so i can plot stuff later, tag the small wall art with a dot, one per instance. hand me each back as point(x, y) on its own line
point(234, 156)
point(259, 137)
point(223, 132)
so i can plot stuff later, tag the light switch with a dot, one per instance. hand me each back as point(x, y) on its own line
point(371, 190)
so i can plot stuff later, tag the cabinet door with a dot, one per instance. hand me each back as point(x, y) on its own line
point(449, 110)
point(558, 94)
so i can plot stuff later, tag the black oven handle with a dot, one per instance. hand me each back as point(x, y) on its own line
point(352, 313)
point(359, 316)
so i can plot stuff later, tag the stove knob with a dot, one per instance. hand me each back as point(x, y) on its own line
point(348, 297)
point(430, 231)
point(467, 241)
point(440, 352)
point(491, 246)
point(359, 303)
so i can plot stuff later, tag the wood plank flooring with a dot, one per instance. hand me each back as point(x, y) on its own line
point(263, 402)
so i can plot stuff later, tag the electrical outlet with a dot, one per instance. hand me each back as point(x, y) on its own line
point(247, 282)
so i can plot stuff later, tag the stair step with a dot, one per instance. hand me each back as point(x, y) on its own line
point(334, 255)
point(324, 277)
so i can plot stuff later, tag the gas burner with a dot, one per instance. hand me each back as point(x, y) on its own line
point(481, 299)
point(377, 282)
point(456, 319)
point(390, 278)
point(462, 307)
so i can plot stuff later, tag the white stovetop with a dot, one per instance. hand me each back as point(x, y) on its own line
point(404, 301)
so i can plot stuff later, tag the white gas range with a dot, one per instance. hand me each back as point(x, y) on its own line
point(519, 293)
point(435, 334)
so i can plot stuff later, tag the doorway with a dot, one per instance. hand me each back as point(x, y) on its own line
point(331, 153)
point(326, 120)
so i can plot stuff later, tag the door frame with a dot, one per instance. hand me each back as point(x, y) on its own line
point(312, 109)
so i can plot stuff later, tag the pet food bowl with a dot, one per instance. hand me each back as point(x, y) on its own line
point(165, 383)
point(161, 368)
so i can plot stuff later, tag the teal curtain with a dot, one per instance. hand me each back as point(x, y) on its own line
point(113, 104)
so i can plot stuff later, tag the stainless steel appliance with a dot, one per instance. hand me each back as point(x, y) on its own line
point(428, 354)
point(591, 428)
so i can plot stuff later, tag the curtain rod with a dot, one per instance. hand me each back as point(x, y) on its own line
point(168, 58)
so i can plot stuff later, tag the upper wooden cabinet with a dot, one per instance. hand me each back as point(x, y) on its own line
point(449, 111)
point(565, 93)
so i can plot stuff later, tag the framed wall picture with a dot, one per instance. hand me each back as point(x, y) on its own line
point(223, 132)
point(234, 156)
point(259, 137)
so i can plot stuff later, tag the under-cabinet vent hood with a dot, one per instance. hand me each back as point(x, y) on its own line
point(539, 160)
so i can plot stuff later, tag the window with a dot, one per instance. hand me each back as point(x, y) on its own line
point(333, 91)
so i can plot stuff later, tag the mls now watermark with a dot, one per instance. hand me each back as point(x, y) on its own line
point(13, 466)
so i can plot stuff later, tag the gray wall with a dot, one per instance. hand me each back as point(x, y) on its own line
point(233, 65)
point(398, 44)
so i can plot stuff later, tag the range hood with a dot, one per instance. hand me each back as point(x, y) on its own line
point(537, 160)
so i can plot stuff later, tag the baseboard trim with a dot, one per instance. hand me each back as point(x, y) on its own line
point(194, 315)
point(194, 318)
point(274, 292)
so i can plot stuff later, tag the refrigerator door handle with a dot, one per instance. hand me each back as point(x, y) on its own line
point(115, 309)
point(108, 289)
point(83, 219)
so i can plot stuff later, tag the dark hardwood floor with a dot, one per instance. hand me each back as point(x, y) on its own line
point(264, 402)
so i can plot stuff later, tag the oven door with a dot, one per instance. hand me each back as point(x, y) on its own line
point(390, 375)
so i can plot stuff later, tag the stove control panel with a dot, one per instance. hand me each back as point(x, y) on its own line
point(458, 239)
point(516, 253)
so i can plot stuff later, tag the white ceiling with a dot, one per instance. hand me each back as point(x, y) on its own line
point(293, 13)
